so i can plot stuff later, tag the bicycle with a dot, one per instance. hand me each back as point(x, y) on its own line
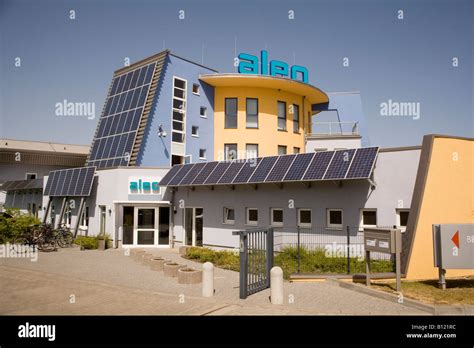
point(64, 237)
point(38, 236)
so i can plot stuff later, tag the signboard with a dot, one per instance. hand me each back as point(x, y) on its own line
point(248, 64)
point(144, 185)
point(453, 246)
point(381, 240)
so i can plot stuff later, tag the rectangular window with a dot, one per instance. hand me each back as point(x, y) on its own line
point(229, 215)
point(195, 88)
point(252, 216)
point(251, 150)
point(195, 131)
point(281, 150)
point(296, 149)
point(304, 217)
point(320, 150)
point(230, 113)
point(334, 218)
point(368, 218)
point(30, 176)
point(179, 110)
point(296, 118)
point(85, 217)
point(281, 116)
point(276, 217)
point(202, 154)
point(203, 111)
point(402, 218)
point(230, 151)
point(252, 113)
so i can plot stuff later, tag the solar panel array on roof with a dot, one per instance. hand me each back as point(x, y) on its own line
point(118, 125)
point(327, 165)
point(70, 182)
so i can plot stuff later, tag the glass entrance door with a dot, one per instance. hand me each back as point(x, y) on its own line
point(164, 226)
point(128, 225)
point(146, 226)
point(193, 226)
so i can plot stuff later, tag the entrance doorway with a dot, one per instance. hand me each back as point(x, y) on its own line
point(146, 226)
point(193, 226)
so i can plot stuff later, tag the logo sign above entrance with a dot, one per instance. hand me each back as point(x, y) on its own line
point(144, 185)
point(249, 65)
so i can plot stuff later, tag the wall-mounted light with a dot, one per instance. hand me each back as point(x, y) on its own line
point(161, 132)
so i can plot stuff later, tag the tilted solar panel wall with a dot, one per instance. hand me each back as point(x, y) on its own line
point(326, 165)
point(70, 182)
point(119, 123)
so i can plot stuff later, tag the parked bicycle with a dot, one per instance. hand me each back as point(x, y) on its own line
point(64, 237)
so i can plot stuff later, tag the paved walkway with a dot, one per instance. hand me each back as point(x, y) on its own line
point(71, 281)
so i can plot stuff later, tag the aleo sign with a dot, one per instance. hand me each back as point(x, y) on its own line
point(249, 65)
point(144, 186)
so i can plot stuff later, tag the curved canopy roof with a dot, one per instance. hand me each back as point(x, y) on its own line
point(313, 94)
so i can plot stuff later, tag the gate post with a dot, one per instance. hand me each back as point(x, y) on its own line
point(348, 250)
point(299, 245)
point(269, 254)
point(244, 265)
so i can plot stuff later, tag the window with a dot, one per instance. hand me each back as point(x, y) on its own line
point(281, 150)
point(281, 116)
point(230, 113)
point(304, 217)
point(203, 111)
point(368, 218)
point(334, 218)
point(402, 218)
point(85, 217)
point(252, 216)
point(195, 88)
point(276, 216)
point(296, 118)
point(230, 151)
point(202, 153)
point(320, 150)
point(296, 149)
point(195, 131)
point(30, 176)
point(229, 215)
point(252, 113)
point(251, 150)
point(179, 110)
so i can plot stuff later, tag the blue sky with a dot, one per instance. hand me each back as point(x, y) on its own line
point(407, 60)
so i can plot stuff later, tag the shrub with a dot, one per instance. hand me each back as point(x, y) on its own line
point(222, 259)
point(13, 223)
point(87, 242)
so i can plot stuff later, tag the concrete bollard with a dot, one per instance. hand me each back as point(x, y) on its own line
point(208, 279)
point(276, 285)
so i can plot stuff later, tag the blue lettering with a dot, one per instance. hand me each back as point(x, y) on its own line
point(278, 68)
point(248, 64)
point(146, 186)
point(155, 186)
point(299, 69)
point(133, 186)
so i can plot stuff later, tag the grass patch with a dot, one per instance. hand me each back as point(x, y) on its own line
point(458, 291)
point(316, 262)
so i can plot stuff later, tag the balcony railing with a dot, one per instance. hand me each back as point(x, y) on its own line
point(334, 128)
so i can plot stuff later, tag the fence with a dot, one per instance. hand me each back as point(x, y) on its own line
point(319, 250)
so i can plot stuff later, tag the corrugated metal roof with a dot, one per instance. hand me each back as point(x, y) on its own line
point(22, 185)
point(40, 146)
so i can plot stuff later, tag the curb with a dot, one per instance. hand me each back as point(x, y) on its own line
point(431, 309)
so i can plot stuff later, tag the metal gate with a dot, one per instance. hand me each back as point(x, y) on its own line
point(256, 260)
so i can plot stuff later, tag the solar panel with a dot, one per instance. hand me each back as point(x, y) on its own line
point(363, 162)
point(299, 166)
point(280, 168)
point(189, 178)
point(247, 170)
point(118, 125)
point(171, 173)
point(70, 182)
point(339, 164)
point(231, 172)
point(216, 174)
point(318, 165)
point(203, 175)
point(263, 169)
point(180, 175)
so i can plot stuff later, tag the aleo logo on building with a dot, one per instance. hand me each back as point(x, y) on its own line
point(144, 185)
point(249, 65)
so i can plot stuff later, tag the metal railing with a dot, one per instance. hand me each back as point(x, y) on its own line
point(334, 128)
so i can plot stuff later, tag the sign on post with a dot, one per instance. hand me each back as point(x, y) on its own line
point(453, 248)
